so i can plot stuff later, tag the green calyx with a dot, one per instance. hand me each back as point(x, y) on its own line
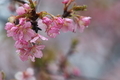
point(80, 8)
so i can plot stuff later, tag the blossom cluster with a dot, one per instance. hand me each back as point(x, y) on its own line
point(24, 27)
point(57, 24)
point(27, 40)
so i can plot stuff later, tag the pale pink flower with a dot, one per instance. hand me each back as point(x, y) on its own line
point(76, 71)
point(68, 25)
point(26, 33)
point(23, 53)
point(22, 44)
point(26, 6)
point(26, 75)
point(58, 21)
point(53, 31)
point(53, 26)
point(38, 37)
point(46, 21)
point(8, 27)
point(30, 49)
point(65, 1)
point(86, 21)
point(20, 11)
point(31, 52)
point(41, 25)
point(22, 31)
point(23, 9)
point(82, 23)
point(22, 21)
point(53, 68)
point(23, 49)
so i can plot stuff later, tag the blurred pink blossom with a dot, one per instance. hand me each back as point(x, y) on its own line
point(68, 25)
point(23, 9)
point(37, 38)
point(76, 71)
point(26, 75)
point(53, 31)
point(9, 27)
point(31, 52)
point(46, 21)
point(65, 1)
point(20, 11)
point(82, 23)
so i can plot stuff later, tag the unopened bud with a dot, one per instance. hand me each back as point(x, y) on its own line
point(79, 8)
point(12, 19)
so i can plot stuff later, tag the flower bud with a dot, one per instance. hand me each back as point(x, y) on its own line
point(65, 1)
point(79, 8)
point(12, 19)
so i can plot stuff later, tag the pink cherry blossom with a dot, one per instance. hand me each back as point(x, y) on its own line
point(58, 21)
point(30, 49)
point(82, 23)
point(23, 9)
point(86, 21)
point(31, 52)
point(76, 71)
point(21, 44)
point(42, 25)
point(26, 6)
point(68, 25)
point(53, 31)
point(20, 10)
point(65, 1)
point(22, 31)
point(26, 75)
point(38, 37)
point(46, 20)
point(9, 27)
point(53, 26)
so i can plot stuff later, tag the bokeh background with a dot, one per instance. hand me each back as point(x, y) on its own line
point(97, 55)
